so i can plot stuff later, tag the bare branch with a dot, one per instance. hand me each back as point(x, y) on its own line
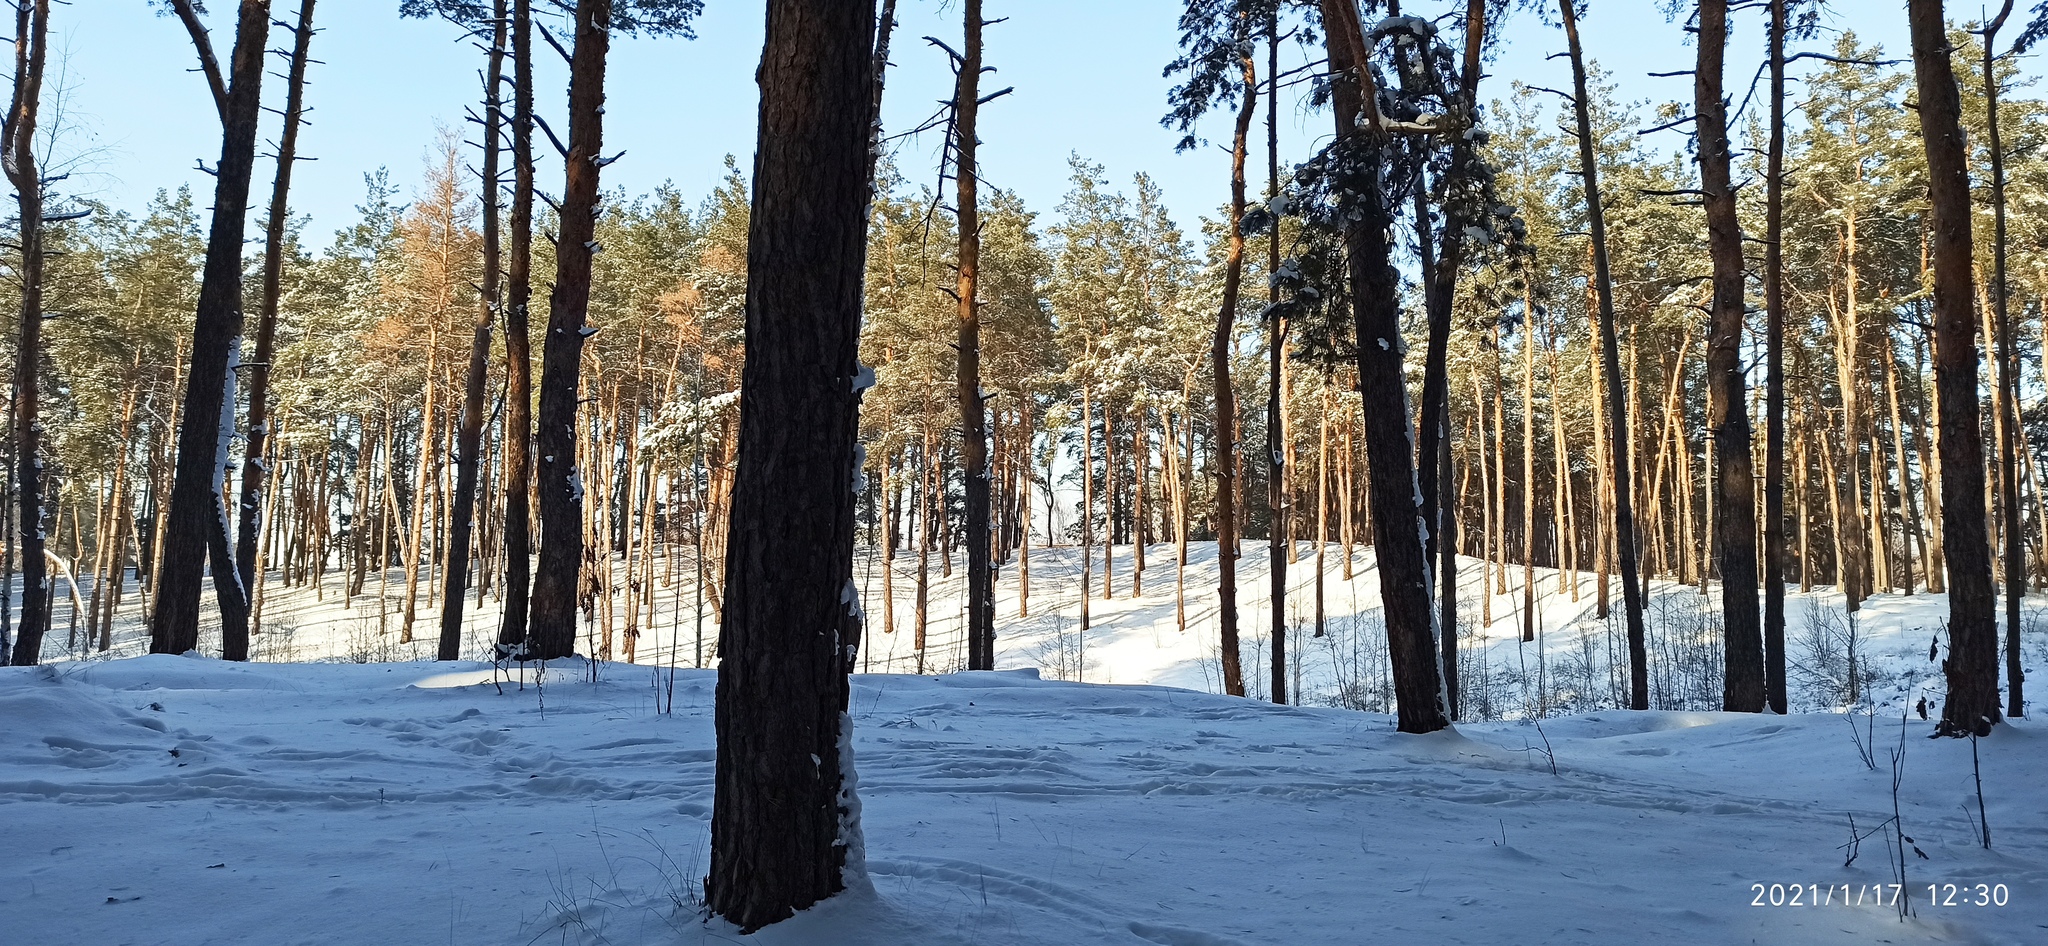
point(207, 63)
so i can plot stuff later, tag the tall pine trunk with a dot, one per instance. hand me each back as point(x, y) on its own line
point(1622, 482)
point(1433, 430)
point(1972, 704)
point(1774, 377)
point(518, 429)
point(1276, 408)
point(470, 427)
point(1727, 407)
point(255, 472)
point(2008, 380)
point(1398, 531)
point(32, 32)
point(559, 482)
point(1220, 345)
point(785, 829)
point(196, 526)
point(981, 605)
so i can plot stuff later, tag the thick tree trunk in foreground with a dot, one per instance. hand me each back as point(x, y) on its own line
point(1399, 534)
point(981, 605)
point(31, 32)
point(551, 629)
point(785, 829)
point(1727, 404)
point(197, 519)
point(1972, 664)
point(470, 429)
point(255, 471)
point(1622, 486)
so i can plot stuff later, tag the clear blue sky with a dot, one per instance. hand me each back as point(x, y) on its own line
point(1086, 72)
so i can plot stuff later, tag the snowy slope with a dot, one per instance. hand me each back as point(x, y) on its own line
point(178, 800)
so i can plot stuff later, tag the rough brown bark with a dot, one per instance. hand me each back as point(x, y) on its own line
point(981, 605)
point(196, 523)
point(1433, 431)
point(1399, 532)
point(1226, 397)
point(1727, 407)
point(785, 827)
point(2008, 380)
point(1277, 546)
point(1972, 704)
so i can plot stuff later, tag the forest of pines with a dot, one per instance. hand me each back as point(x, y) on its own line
point(1471, 403)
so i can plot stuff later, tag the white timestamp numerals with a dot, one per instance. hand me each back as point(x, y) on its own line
point(1824, 895)
point(1882, 895)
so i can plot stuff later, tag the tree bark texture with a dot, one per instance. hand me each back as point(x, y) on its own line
point(785, 824)
point(1226, 396)
point(1399, 532)
point(1774, 376)
point(518, 431)
point(1727, 405)
point(981, 605)
point(1622, 486)
point(1972, 704)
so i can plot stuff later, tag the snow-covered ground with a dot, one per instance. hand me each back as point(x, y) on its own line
point(181, 800)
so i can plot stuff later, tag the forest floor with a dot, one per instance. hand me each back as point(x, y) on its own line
point(182, 800)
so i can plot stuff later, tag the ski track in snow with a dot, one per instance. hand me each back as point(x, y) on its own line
point(181, 800)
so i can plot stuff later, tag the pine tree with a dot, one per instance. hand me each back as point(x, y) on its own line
point(785, 826)
point(195, 530)
point(31, 45)
point(1971, 669)
point(248, 568)
point(1728, 406)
